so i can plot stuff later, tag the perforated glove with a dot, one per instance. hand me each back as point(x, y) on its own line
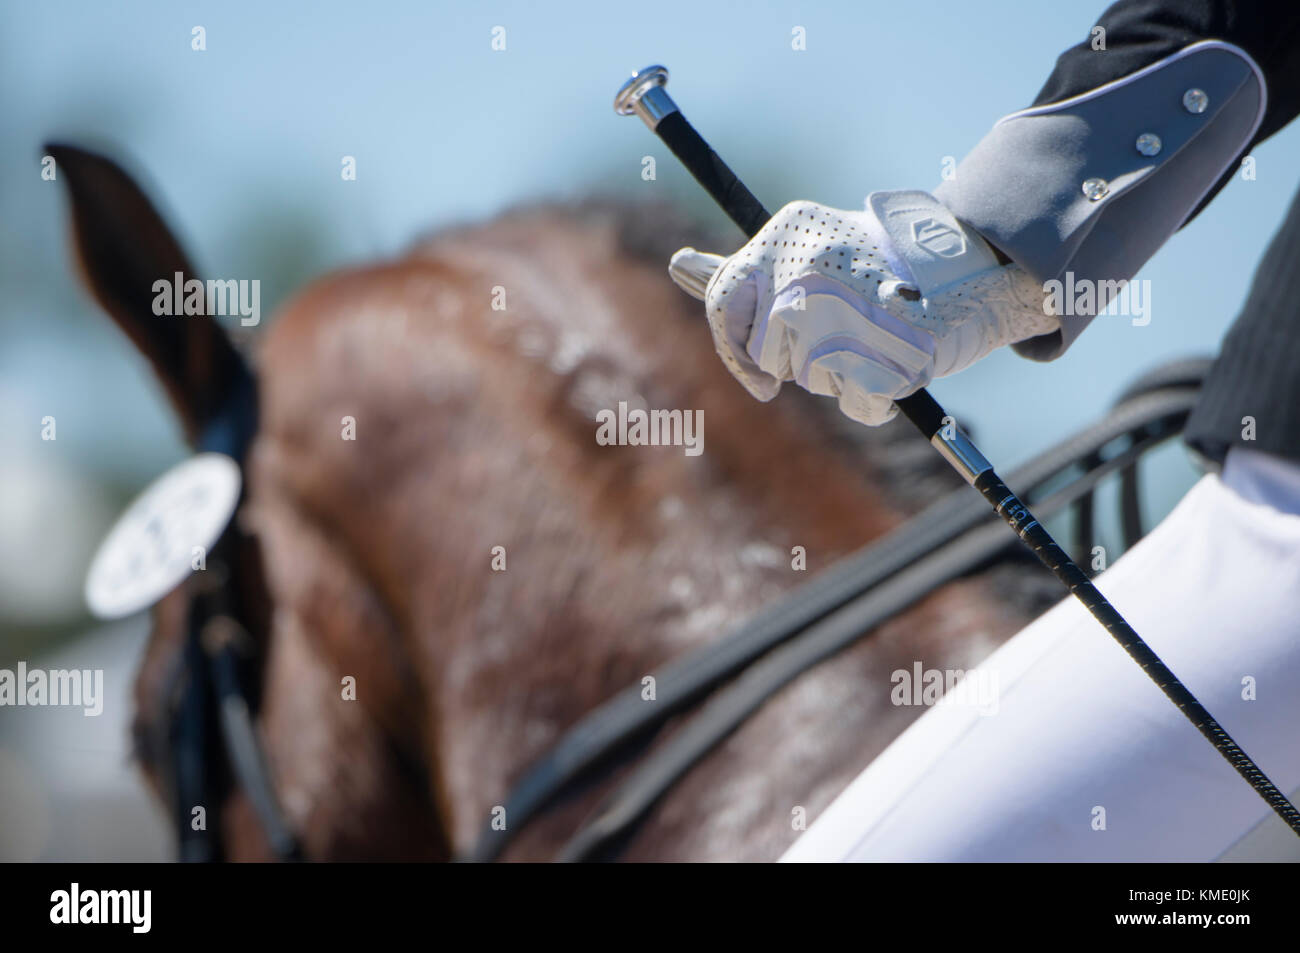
point(863, 306)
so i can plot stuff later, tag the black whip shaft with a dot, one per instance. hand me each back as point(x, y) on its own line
point(925, 412)
point(749, 215)
point(1049, 553)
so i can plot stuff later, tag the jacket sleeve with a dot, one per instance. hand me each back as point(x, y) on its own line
point(1134, 131)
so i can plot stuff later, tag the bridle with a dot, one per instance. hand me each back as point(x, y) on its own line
point(214, 744)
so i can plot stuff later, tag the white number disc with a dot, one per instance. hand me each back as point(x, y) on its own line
point(152, 547)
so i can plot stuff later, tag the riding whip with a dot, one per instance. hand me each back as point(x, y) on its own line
point(644, 95)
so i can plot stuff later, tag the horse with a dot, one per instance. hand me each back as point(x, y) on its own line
point(429, 518)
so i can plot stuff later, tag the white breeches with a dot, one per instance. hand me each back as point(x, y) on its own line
point(1082, 757)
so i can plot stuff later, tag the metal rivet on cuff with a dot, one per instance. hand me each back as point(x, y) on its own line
point(1095, 189)
point(1149, 144)
point(1195, 100)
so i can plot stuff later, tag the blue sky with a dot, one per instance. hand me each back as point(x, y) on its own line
point(242, 142)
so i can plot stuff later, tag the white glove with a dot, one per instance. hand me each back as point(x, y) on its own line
point(864, 306)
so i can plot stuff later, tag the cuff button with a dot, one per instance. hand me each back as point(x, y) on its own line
point(1095, 189)
point(1195, 100)
point(1149, 144)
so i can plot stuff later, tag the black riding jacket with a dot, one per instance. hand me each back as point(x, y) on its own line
point(1136, 129)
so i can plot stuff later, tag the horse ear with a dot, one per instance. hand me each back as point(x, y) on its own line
point(124, 247)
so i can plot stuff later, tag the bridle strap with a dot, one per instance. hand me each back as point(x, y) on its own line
point(213, 719)
point(222, 636)
point(190, 742)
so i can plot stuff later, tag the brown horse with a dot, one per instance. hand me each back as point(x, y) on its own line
point(475, 428)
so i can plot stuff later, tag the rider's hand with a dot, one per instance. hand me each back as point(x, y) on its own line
point(864, 306)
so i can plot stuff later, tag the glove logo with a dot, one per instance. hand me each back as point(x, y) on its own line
point(938, 238)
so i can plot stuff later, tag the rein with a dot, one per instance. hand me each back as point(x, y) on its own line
point(827, 614)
